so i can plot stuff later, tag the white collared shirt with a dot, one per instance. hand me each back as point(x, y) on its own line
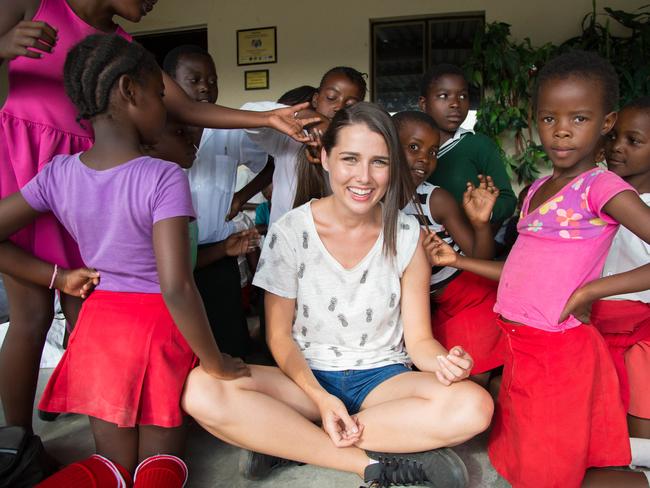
point(214, 175)
point(285, 152)
point(450, 143)
point(628, 252)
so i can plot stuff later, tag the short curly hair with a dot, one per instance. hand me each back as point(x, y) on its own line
point(170, 63)
point(641, 103)
point(401, 118)
point(352, 74)
point(582, 64)
point(94, 65)
point(436, 72)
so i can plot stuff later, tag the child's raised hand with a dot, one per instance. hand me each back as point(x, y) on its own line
point(28, 38)
point(438, 252)
point(455, 366)
point(229, 368)
point(478, 201)
point(287, 120)
point(78, 282)
point(242, 242)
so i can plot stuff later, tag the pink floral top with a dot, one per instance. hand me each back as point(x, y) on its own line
point(562, 245)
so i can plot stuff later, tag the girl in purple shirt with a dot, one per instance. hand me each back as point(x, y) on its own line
point(141, 330)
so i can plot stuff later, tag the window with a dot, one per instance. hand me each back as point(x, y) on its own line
point(160, 43)
point(403, 50)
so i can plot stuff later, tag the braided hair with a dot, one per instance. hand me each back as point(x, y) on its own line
point(94, 65)
point(356, 77)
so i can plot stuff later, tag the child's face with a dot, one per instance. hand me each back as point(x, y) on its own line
point(132, 10)
point(337, 92)
point(628, 144)
point(267, 192)
point(176, 145)
point(146, 109)
point(571, 119)
point(447, 101)
point(197, 77)
point(420, 143)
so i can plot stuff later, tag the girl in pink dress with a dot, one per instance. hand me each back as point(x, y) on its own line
point(558, 411)
point(37, 122)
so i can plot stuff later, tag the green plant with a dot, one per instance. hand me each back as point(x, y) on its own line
point(506, 70)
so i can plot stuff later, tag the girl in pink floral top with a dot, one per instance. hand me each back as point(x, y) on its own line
point(553, 421)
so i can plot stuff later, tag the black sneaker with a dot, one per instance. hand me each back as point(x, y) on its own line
point(439, 468)
point(256, 466)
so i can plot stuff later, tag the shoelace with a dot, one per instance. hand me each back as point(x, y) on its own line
point(399, 471)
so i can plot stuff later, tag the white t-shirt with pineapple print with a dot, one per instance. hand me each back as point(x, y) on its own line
point(344, 318)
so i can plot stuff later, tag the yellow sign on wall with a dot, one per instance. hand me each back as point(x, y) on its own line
point(256, 46)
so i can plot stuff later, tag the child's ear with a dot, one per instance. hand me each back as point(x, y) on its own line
point(126, 88)
point(314, 97)
point(422, 104)
point(608, 123)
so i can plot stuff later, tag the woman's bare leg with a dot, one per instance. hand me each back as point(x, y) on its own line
point(267, 413)
point(414, 412)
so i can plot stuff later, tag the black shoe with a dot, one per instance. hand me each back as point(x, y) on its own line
point(47, 416)
point(439, 468)
point(256, 466)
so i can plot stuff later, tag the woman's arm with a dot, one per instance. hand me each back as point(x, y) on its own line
point(200, 114)
point(171, 247)
point(342, 429)
point(631, 212)
point(427, 353)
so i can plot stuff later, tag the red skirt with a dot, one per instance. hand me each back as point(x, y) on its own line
point(126, 363)
point(462, 315)
point(625, 325)
point(558, 412)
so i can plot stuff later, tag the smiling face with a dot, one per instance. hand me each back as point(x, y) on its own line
point(447, 102)
point(571, 120)
point(197, 76)
point(628, 147)
point(359, 169)
point(336, 92)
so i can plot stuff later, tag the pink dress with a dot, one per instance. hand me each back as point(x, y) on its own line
point(37, 122)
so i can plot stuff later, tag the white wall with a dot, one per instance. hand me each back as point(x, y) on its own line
point(314, 36)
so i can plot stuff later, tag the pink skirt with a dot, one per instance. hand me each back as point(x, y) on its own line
point(126, 363)
point(625, 325)
point(558, 411)
point(463, 316)
point(25, 147)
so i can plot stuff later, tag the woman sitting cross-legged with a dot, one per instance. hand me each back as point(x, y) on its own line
point(347, 311)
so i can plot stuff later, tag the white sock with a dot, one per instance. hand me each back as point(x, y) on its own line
point(640, 452)
point(372, 461)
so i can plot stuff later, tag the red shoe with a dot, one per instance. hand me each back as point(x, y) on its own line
point(93, 472)
point(162, 471)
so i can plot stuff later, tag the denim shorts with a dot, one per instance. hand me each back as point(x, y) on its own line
point(352, 386)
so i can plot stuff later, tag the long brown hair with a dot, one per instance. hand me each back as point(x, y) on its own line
point(400, 186)
point(311, 180)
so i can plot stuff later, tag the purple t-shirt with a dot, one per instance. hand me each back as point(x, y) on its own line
point(111, 213)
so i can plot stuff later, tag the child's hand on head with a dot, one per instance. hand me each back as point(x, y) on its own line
point(287, 120)
point(455, 366)
point(438, 252)
point(478, 201)
point(28, 38)
point(78, 282)
point(314, 146)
